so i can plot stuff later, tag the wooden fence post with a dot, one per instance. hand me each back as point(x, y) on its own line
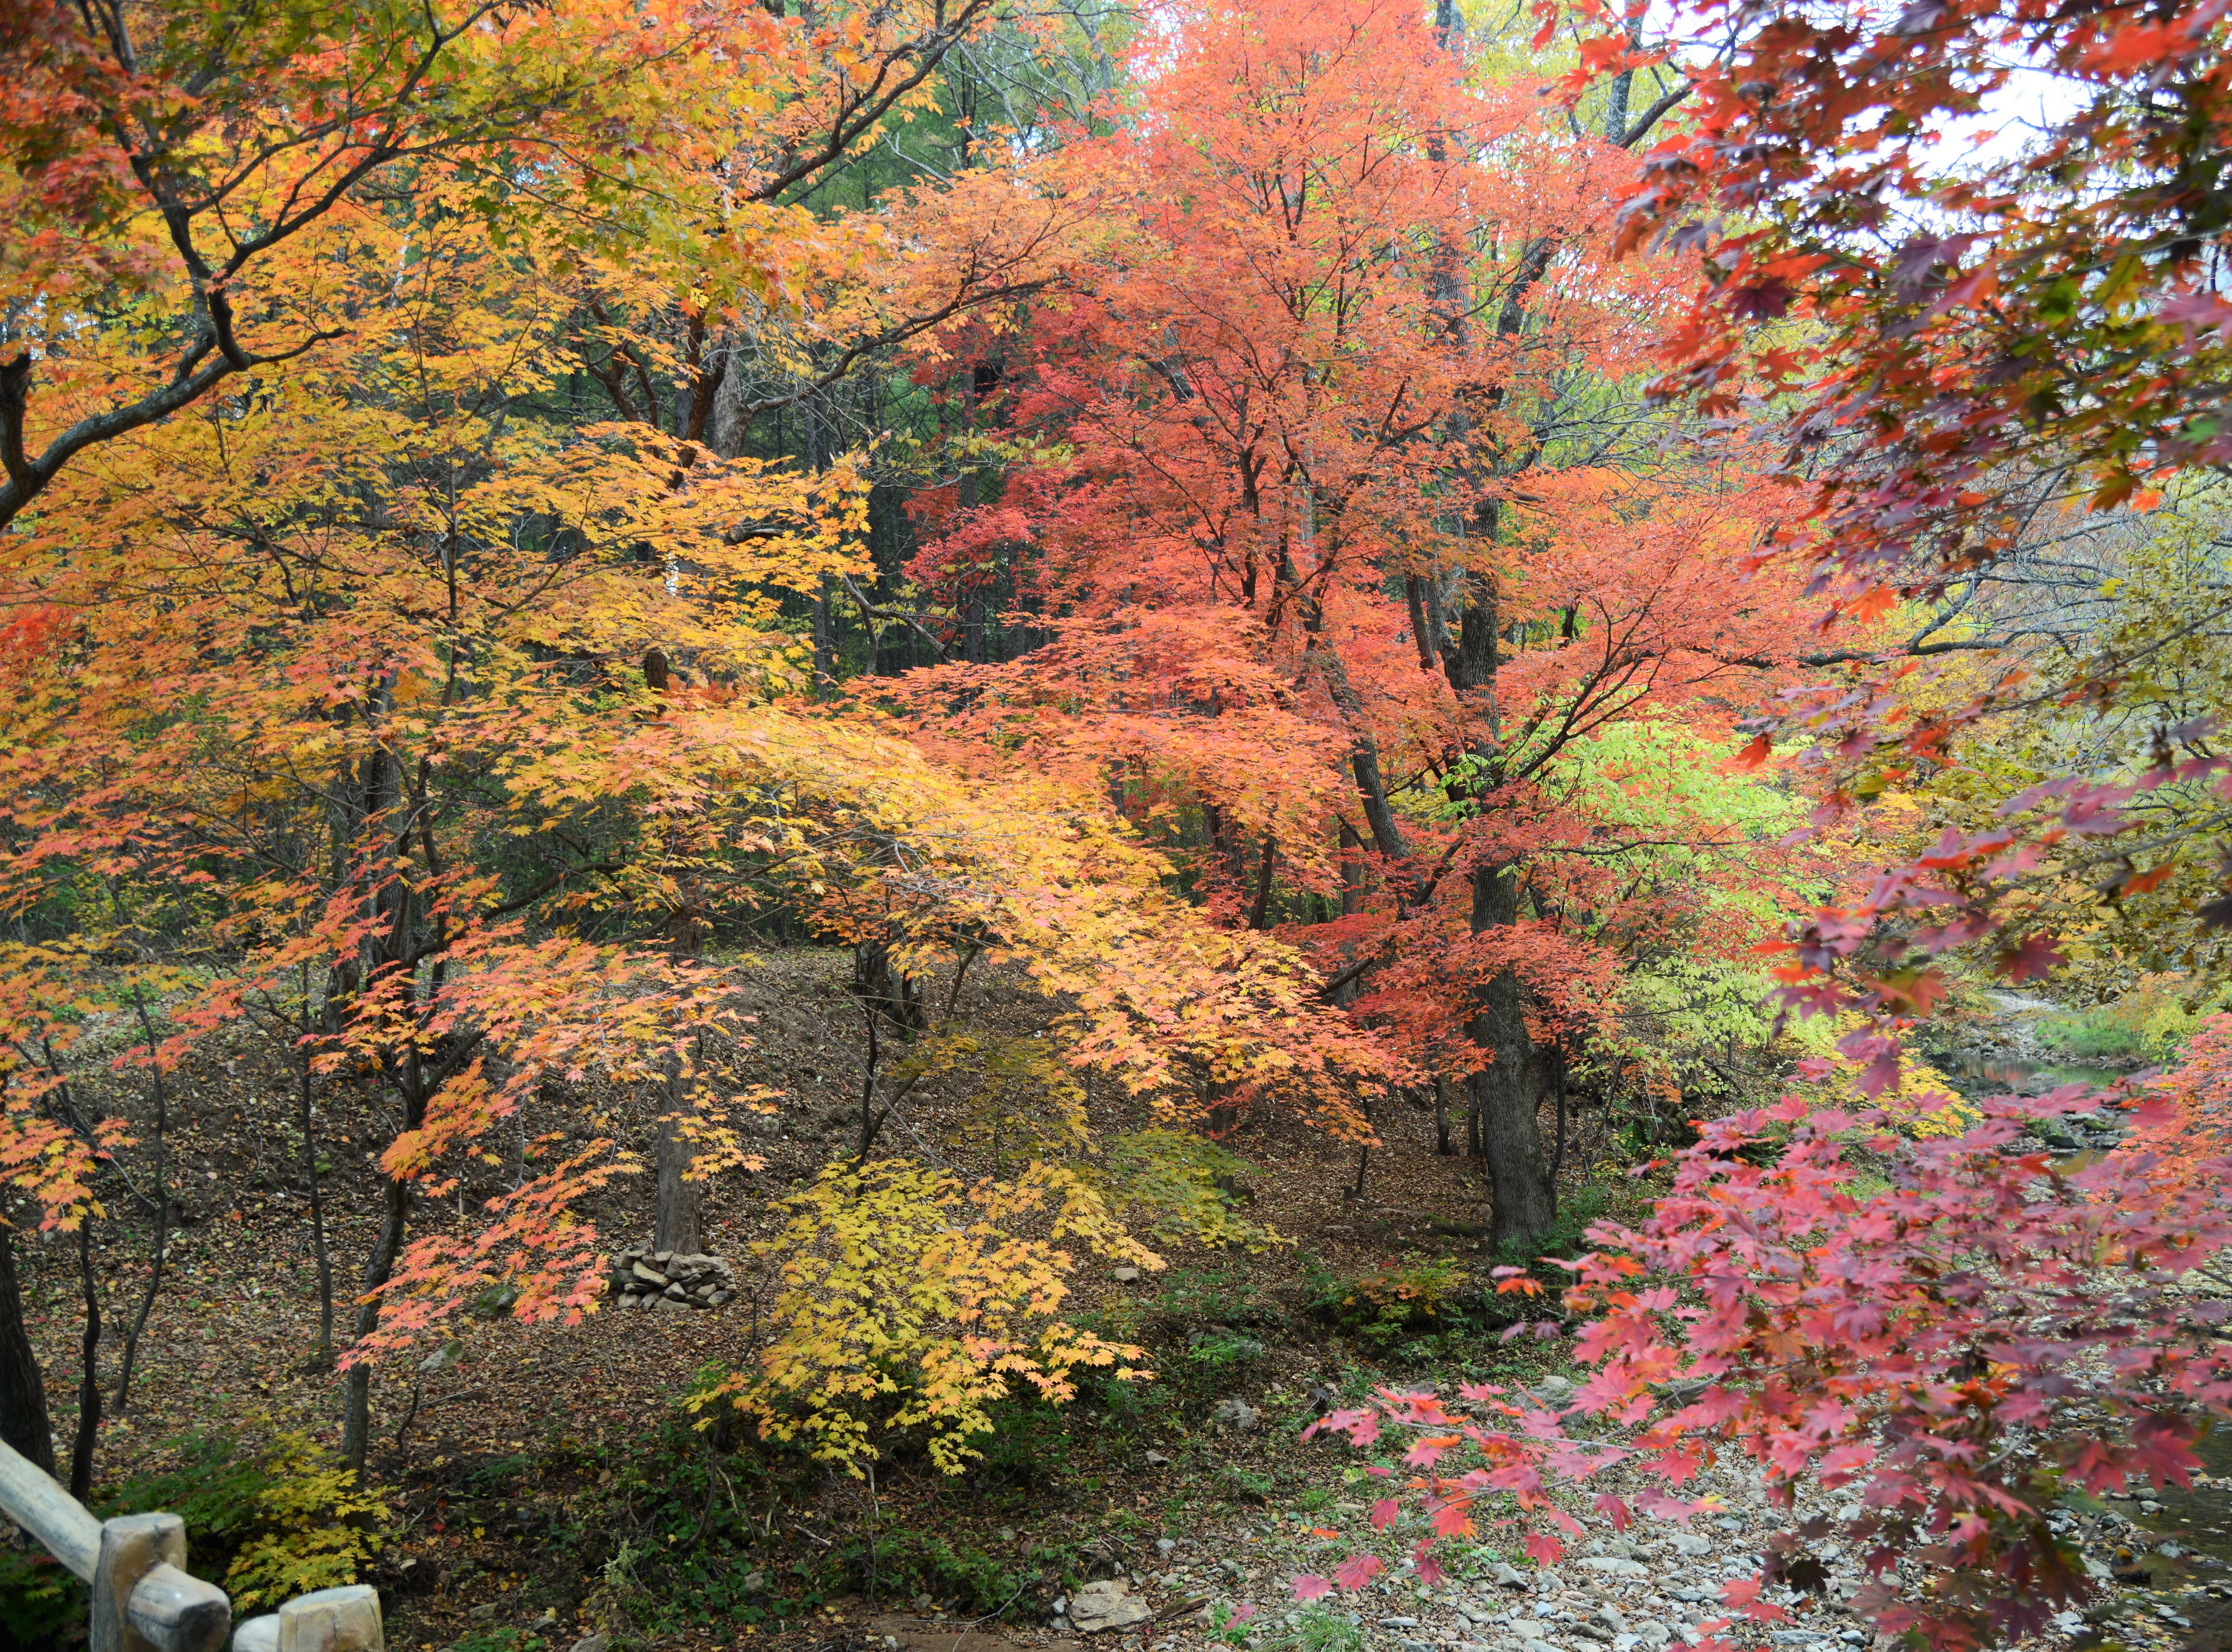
point(143, 1598)
point(331, 1620)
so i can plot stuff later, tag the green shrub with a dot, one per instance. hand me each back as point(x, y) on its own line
point(499, 1640)
point(973, 1583)
point(1407, 1292)
point(1577, 1209)
point(1181, 1185)
point(1319, 1628)
point(2148, 1025)
point(280, 1518)
point(40, 1604)
point(1217, 1297)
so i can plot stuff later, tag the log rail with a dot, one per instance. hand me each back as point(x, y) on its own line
point(144, 1599)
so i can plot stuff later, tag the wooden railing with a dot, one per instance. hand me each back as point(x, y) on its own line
point(144, 1600)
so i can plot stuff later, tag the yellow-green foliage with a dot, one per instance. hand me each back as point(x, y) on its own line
point(906, 1292)
point(313, 1526)
point(1173, 1179)
point(2150, 1023)
point(1922, 1105)
point(1024, 1103)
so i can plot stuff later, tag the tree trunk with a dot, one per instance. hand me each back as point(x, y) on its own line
point(676, 1226)
point(885, 989)
point(395, 1216)
point(318, 1252)
point(162, 1245)
point(24, 1421)
point(825, 645)
point(88, 1381)
point(1506, 1090)
point(1352, 872)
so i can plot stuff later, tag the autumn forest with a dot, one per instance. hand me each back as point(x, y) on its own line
point(1311, 825)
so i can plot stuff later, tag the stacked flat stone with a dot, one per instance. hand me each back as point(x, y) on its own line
point(644, 1278)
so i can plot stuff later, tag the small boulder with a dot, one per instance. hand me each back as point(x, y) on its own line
point(1107, 1605)
point(1613, 1566)
point(1236, 1414)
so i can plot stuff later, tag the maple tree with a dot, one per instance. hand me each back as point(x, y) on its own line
point(1946, 1351)
point(1969, 350)
point(406, 793)
point(1352, 330)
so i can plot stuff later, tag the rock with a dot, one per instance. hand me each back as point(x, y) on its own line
point(596, 1642)
point(483, 1613)
point(1126, 1276)
point(441, 1359)
point(662, 1257)
point(1398, 1622)
point(1100, 1607)
point(1155, 1460)
point(1236, 1415)
point(1414, 1646)
point(676, 1294)
point(679, 1305)
point(1653, 1635)
point(1616, 1566)
point(720, 1299)
point(1688, 1544)
point(651, 1276)
point(1506, 1575)
point(1164, 1546)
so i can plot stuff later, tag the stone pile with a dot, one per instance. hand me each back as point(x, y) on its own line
point(644, 1278)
